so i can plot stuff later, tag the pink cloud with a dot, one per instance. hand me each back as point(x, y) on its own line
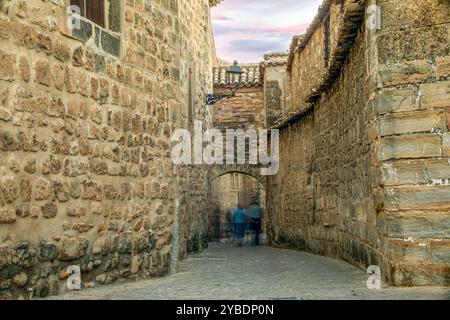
point(245, 30)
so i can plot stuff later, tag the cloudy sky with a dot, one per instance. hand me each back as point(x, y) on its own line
point(246, 29)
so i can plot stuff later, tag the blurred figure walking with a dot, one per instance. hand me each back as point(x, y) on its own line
point(255, 213)
point(239, 223)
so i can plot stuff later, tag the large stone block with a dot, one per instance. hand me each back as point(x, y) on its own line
point(72, 248)
point(10, 188)
point(426, 198)
point(443, 67)
point(412, 122)
point(7, 215)
point(4, 28)
point(408, 251)
point(440, 251)
point(43, 73)
point(397, 100)
point(436, 95)
point(411, 146)
point(438, 169)
point(424, 227)
point(43, 189)
point(427, 274)
point(406, 72)
point(7, 63)
point(404, 172)
point(447, 113)
point(446, 144)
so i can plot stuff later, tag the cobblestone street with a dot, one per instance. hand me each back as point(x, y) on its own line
point(227, 272)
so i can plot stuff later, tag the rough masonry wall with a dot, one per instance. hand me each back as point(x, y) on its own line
point(413, 106)
point(371, 156)
point(246, 110)
point(85, 122)
point(325, 197)
point(197, 61)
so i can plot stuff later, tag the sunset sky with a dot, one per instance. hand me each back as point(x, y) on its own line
point(246, 29)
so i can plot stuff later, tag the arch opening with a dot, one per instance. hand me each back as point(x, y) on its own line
point(229, 190)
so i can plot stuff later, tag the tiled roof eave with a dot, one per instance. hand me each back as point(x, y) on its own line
point(213, 3)
point(353, 16)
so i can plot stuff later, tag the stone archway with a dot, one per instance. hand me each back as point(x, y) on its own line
point(226, 194)
point(247, 169)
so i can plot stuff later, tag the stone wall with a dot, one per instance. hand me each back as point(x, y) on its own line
point(322, 199)
point(364, 162)
point(247, 108)
point(412, 104)
point(85, 122)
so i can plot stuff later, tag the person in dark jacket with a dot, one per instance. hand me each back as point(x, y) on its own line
point(255, 214)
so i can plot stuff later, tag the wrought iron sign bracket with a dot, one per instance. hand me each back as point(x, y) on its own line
point(212, 99)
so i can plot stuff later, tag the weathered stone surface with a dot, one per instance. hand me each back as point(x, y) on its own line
point(61, 51)
point(82, 227)
point(92, 190)
point(30, 166)
point(61, 191)
point(135, 264)
point(49, 210)
point(397, 100)
point(405, 172)
point(404, 15)
point(47, 252)
point(413, 44)
point(440, 251)
point(438, 170)
point(7, 141)
point(443, 66)
point(24, 69)
point(43, 73)
point(10, 188)
point(23, 255)
point(7, 63)
point(411, 146)
point(43, 189)
point(436, 94)
point(420, 121)
point(446, 144)
point(407, 72)
point(23, 210)
point(25, 190)
point(418, 198)
point(20, 279)
point(409, 251)
point(72, 248)
point(5, 255)
point(41, 289)
point(424, 227)
point(5, 114)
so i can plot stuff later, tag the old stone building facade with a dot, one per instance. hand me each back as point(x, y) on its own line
point(86, 116)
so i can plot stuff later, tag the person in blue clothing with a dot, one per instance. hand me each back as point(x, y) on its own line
point(239, 223)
